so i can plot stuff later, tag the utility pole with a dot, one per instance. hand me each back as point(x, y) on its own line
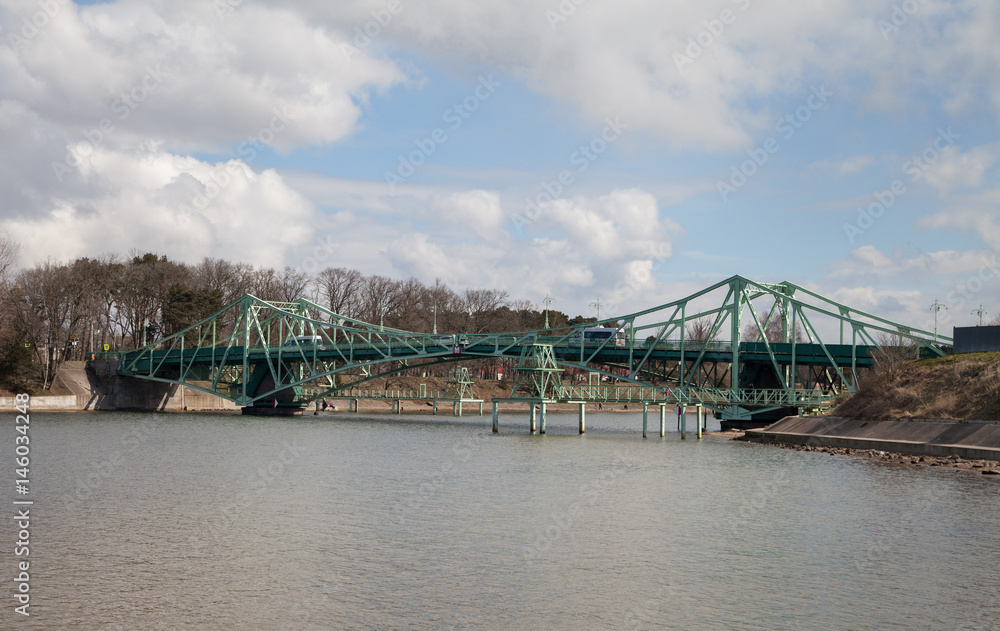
point(548, 300)
point(381, 315)
point(598, 305)
point(935, 308)
point(980, 312)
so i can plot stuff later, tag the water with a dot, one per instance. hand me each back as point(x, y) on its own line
point(146, 521)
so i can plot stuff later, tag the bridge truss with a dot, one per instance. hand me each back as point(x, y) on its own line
point(787, 347)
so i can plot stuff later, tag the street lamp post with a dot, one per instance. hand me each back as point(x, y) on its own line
point(935, 308)
point(980, 312)
point(435, 310)
point(548, 300)
point(598, 305)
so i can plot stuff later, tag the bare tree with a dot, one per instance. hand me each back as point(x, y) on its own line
point(700, 330)
point(265, 284)
point(50, 308)
point(232, 280)
point(892, 356)
point(379, 298)
point(9, 251)
point(339, 290)
point(412, 312)
point(482, 305)
point(293, 284)
point(143, 287)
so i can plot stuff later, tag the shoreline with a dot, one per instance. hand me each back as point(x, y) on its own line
point(981, 465)
point(973, 446)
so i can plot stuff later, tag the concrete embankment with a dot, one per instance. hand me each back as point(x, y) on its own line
point(102, 390)
point(966, 439)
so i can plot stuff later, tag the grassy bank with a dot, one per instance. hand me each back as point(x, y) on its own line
point(958, 387)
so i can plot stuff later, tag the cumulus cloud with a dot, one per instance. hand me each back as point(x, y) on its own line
point(146, 199)
point(953, 168)
point(703, 74)
point(181, 73)
point(100, 104)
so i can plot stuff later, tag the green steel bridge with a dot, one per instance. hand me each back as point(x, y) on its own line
point(262, 354)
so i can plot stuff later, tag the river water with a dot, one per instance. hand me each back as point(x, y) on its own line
point(347, 521)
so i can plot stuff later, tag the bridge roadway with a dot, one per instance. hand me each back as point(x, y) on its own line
point(391, 349)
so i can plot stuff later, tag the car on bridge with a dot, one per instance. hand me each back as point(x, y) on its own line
point(452, 340)
point(305, 342)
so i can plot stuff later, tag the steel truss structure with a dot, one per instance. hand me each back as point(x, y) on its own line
point(787, 347)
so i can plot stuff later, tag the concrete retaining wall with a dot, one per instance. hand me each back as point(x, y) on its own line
point(97, 392)
point(968, 439)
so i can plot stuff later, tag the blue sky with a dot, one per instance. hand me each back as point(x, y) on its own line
point(868, 87)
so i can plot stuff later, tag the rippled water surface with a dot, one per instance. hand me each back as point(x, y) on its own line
point(344, 521)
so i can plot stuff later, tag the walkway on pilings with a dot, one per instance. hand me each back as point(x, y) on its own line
point(397, 397)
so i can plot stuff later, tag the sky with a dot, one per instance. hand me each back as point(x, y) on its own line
point(628, 152)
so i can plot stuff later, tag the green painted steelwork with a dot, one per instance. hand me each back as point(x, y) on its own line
point(255, 352)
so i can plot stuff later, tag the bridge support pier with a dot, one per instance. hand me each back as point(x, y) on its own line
point(541, 417)
point(583, 416)
point(496, 417)
point(645, 410)
point(683, 420)
point(353, 402)
point(531, 424)
point(700, 412)
point(663, 420)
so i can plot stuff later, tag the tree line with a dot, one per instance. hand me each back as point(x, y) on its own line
point(54, 311)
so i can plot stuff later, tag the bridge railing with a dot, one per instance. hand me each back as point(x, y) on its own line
point(695, 395)
point(387, 395)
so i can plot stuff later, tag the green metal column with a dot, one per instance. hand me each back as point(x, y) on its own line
point(645, 410)
point(496, 417)
point(737, 286)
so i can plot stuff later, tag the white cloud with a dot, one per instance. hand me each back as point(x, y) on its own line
point(955, 169)
point(854, 164)
point(478, 211)
point(145, 200)
point(635, 59)
point(179, 73)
